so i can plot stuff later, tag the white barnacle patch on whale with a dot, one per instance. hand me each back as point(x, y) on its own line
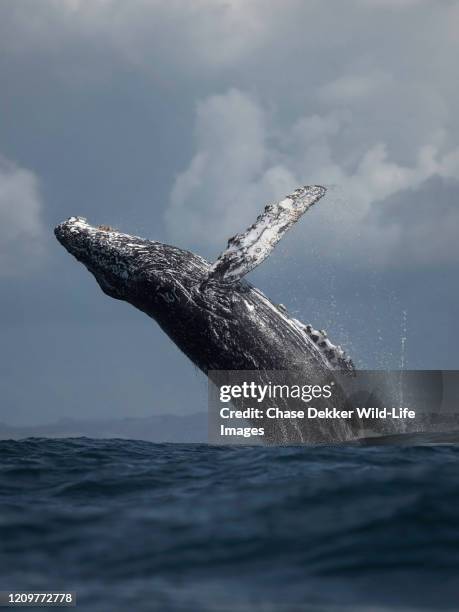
point(333, 352)
point(249, 306)
point(297, 327)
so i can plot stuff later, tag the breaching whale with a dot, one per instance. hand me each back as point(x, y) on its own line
point(218, 319)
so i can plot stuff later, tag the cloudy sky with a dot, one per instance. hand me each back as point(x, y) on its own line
point(179, 121)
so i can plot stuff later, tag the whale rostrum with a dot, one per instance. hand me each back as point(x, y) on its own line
point(218, 319)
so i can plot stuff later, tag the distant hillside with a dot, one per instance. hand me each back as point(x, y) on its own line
point(155, 428)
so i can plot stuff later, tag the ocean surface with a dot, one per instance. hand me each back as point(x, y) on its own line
point(134, 526)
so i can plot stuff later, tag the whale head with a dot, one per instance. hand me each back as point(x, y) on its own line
point(128, 267)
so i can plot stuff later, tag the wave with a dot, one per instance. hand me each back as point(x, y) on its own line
point(175, 526)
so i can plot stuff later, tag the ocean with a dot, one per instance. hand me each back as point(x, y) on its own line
point(137, 526)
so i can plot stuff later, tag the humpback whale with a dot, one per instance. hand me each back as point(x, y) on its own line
point(217, 318)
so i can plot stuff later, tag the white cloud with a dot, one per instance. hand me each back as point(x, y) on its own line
point(231, 151)
point(21, 228)
point(351, 88)
point(241, 163)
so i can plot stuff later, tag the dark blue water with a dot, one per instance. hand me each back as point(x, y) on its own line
point(136, 526)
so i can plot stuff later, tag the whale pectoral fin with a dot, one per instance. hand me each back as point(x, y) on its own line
point(247, 250)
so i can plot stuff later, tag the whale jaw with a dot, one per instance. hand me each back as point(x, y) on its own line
point(131, 268)
point(108, 254)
